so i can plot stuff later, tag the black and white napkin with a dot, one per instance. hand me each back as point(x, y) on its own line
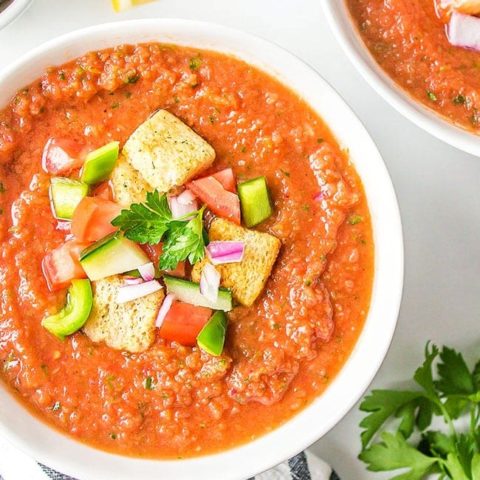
point(15, 465)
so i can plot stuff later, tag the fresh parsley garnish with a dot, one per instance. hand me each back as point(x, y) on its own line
point(152, 222)
point(452, 394)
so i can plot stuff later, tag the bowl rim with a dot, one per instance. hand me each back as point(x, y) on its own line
point(13, 11)
point(343, 27)
point(373, 343)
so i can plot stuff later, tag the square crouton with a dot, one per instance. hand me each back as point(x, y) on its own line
point(127, 183)
point(124, 326)
point(248, 277)
point(166, 152)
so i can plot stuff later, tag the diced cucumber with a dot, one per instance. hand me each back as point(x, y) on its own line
point(189, 292)
point(211, 338)
point(75, 313)
point(112, 255)
point(255, 201)
point(65, 195)
point(99, 164)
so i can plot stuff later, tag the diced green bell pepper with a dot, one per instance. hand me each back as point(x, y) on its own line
point(75, 313)
point(212, 336)
point(254, 201)
point(99, 164)
point(65, 195)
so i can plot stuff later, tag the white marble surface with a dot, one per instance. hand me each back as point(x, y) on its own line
point(438, 187)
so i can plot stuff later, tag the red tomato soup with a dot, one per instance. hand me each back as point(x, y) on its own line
point(408, 38)
point(174, 401)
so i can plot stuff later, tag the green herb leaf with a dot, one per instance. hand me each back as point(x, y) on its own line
point(355, 219)
point(395, 453)
point(195, 63)
point(145, 222)
point(152, 221)
point(431, 96)
point(424, 376)
point(455, 377)
point(382, 404)
point(184, 241)
point(476, 375)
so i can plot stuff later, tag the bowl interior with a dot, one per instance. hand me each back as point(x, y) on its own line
point(350, 39)
point(79, 460)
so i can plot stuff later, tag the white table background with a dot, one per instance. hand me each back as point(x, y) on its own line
point(437, 186)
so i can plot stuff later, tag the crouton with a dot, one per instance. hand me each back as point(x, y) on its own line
point(248, 277)
point(124, 326)
point(166, 152)
point(127, 183)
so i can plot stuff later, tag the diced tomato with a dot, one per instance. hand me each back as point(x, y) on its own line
point(62, 155)
point(184, 322)
point(104, 190)
point(62, 265)
point(220, 201)
point(154, 252)
point(227, 178)
point(92, 219)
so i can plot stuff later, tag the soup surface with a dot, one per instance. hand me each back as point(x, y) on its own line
point(409, 41)
point(281, 353)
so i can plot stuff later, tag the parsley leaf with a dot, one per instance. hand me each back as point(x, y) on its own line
point(152, 221)
point(454, 391)
point(395, 453)
point(454, 374)
point(145, 222)
point(184, 242)
point(382, 404)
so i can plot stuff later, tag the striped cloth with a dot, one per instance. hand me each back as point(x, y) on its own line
point(304, 466)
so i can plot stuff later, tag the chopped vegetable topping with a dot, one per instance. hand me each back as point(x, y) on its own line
point(75, 313)
point(184, 322)
point(99, 164)
point(151, 221)
point(189, 292)
point(255, 201)
point(431, 96)
point(112, 255)
point(65, 195)
point(149, 383)
point(209, 282)
point(219, 200)
point(212, 337)
point(221, 252)
point(129, 293)
point(92, 219)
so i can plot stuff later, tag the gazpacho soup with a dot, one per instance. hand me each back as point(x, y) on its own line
point(431, 48)
point(186, 253)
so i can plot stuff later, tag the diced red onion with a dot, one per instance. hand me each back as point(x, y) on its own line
point(209, 282)
point(64, 226)
point(464, 31)
point(187, 197)
point(318, 197)
point(132, 280)
point(147, 271)
point(164, 309)
point(220, 252)
point(128, 293)
point(179, 209)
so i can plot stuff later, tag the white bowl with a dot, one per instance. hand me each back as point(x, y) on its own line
point(70, 457)
point(347, 34)
point(13, 11)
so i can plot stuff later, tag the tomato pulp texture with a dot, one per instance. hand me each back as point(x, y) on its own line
point(176, 401)
point(409, 41)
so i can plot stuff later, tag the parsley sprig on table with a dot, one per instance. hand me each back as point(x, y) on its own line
point(412, 446)
point(152, 222)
